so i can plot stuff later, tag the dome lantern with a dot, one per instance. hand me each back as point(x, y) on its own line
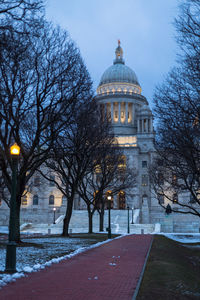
point(119, 54)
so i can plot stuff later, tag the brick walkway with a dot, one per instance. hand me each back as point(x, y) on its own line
point(108, 272)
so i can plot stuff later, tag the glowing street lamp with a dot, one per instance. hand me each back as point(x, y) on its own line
point(54, 215)
point(11, 246)
point(109, 224)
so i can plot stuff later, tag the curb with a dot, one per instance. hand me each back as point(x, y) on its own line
point(142, 273)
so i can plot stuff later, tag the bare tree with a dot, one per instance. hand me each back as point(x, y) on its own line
point(43, 81)
point(107, 171)
point(74, 151)
point(176, 170)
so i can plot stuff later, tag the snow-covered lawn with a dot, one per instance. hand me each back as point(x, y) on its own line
point(185, 238)
point(45, 252)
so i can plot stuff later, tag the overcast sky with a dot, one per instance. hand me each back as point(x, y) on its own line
point(143, 26)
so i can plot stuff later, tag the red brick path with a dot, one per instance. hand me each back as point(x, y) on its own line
point(87, 276)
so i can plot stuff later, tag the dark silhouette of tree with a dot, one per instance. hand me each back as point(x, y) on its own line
point(43, 81)
point(107, 171)
point(74, 151)
point(176, 170)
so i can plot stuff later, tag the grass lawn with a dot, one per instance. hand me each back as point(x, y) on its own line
point(172, 271)
point(39, 250)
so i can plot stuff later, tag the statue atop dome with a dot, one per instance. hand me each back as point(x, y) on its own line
point(119, 54)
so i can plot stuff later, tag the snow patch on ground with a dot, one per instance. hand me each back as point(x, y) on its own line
point(184, 238)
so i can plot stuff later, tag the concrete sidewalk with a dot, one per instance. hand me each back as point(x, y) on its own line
point(108, 272)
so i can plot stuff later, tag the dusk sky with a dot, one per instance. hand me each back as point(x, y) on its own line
point(144, 27)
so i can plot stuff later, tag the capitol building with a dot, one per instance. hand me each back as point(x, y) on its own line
point(120, 98)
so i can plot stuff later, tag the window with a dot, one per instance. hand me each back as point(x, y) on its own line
point(175, 198)
point(51, 200)
point(192, 199)
point(116, 114)
point(144, 180)
point(36, 181)
point(35, 200)
point(161, 199)
point(144, 164)
point(122, 114)
point(121, 200)
point(160, 178)
point(174, 179)
point(24, 200)
point(122, 163)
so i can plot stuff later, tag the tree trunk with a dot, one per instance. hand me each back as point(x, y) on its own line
point(67, 216)
point(101, 220)
point(90, 215)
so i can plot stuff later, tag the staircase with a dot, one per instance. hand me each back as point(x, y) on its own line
point(79, 223)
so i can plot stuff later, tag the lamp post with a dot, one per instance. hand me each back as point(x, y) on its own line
point(11, 246)
point(128, 229)
point(109, 225)
point(132, 217)
point(54, 215)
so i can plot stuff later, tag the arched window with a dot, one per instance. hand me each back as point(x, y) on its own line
point(35, 200)
point(24, 200)
point(51, 200)
point(144, 198)
point(121, 200)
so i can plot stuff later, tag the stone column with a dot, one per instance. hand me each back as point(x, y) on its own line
point(151, 124)
point(132, 113)
point(112, 118)
point(142, 125)
point(119, 112)
point(105, 111)
point(126, 112)
point(138, 126)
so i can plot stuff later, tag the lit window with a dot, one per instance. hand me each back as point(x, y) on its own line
point(174, 179)
point(24, 200)
point(116, 114)
point(122, 163)
point(35, 200)
point(51, 200)
point(175, 198)
point(144, 180)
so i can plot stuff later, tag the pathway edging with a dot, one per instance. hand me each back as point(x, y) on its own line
point(142, 273)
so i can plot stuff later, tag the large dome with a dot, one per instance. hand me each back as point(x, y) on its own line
point(119, 72)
